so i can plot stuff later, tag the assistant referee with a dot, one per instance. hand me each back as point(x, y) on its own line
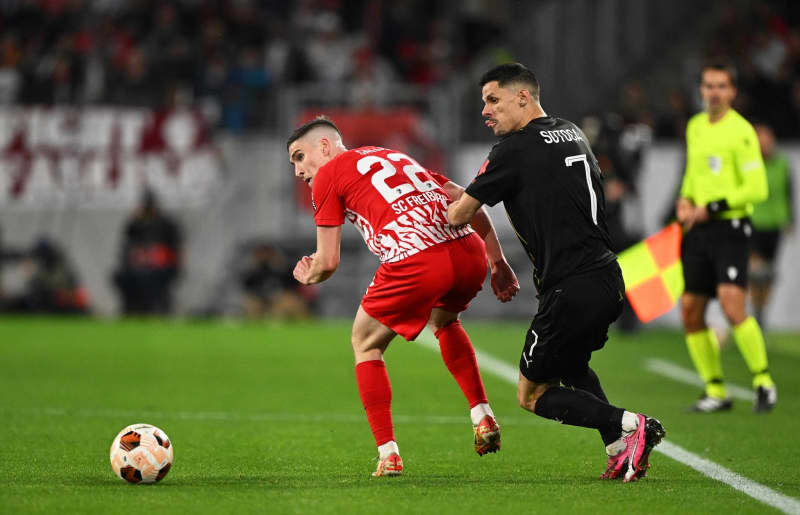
point(724, 177)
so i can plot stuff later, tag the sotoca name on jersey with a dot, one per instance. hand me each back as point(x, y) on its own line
point(560, 136)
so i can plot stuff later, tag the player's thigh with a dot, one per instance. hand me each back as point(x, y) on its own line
point(731, 251)
point(403, 294)
point(697, 264)
point(440, 318)
point(591, 302)
point(369, 337)
point(733, 300)
point(693, 311)
point(543, 342)
point(572, 322)
point(529, 392)
point(467, 260)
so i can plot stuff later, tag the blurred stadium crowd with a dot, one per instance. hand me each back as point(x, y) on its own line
point(762, 40)
point(229, 57)
point(231, 61)
point(225, 57)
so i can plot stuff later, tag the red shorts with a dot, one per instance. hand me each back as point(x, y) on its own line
point(446, 276)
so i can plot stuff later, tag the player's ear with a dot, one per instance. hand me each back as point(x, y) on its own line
point(523, 97)
point(325, 146)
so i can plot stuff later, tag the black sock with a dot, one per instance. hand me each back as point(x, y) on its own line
point(579, 408)
point(591, 383)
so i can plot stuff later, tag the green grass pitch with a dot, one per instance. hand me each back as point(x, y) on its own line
point(266, 418)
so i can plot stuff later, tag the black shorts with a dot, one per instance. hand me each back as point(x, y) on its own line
point(715, 252)
point(765, 244)
point(572, 322)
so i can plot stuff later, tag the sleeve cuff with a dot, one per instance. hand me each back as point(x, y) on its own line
point(327, 222)
point(717, 206)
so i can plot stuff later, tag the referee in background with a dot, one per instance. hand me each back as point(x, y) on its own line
point(724, 177)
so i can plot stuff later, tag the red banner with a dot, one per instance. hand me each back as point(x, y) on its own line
point(104, 157)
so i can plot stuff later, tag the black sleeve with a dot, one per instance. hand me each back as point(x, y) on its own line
point(496, 180)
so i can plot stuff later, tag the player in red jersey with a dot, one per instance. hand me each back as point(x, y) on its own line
point(429, 270)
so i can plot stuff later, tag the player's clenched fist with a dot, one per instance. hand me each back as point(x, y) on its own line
point(303, 268)
point(684, 210)
point(504, 282)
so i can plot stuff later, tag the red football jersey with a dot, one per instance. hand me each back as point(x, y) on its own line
point(398, 206)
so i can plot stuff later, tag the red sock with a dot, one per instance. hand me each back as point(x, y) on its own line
point(376, 396)
point(459, 357)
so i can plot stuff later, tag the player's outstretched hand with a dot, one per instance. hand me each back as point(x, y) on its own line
point(684, 212)
point(504, 281)
point(302, 270)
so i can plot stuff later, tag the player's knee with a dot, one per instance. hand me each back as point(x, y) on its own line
point(732, 299)
point(360, 355)
point(437, 328)
point(355, 342)
point(526, 401)
point(440, 319)
point(360, 348)
point(735, 314)
point(686, 318)
point(527, 398)
point(368, 345)
point(761, 273)
point(692, 317)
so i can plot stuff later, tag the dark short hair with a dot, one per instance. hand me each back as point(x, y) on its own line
point(721, 67)
point(307, 127)
point(512, 72)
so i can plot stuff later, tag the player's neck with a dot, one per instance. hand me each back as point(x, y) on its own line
point(535, 112)
point(715, 116)
point(336, 150)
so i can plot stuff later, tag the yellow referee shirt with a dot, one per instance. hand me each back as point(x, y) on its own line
point(723, 162)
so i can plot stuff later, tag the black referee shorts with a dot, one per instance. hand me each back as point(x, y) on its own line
point(715, 252)
point(765, 243)
point(571, 323)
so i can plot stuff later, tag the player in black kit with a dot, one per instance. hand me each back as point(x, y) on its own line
point(548, 179)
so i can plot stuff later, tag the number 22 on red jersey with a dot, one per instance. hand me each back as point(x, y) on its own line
point(397, 205)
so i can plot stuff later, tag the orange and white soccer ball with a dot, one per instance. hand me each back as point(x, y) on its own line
point(141, 453)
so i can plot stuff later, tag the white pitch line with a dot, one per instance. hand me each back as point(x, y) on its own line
point(684, 375)
point(494, 365)
point(706, 467)
point(755, 490)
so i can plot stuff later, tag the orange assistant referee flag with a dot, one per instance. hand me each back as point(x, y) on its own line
point(653, 273)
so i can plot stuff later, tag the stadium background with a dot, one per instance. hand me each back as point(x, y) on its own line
point(194, 100)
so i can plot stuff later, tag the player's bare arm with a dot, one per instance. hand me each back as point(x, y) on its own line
point(701, 214)
point(504, 282)
point(323, 263)
point(689, 214)
point(684, 211)
point(462, 210)
point(480, 221)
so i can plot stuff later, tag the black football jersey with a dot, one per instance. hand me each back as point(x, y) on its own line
point(551, 187)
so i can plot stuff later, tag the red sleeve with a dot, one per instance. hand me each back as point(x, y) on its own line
point(328, 205)
point(440, 179)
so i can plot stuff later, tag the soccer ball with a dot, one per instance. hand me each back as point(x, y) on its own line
point(141, 453)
